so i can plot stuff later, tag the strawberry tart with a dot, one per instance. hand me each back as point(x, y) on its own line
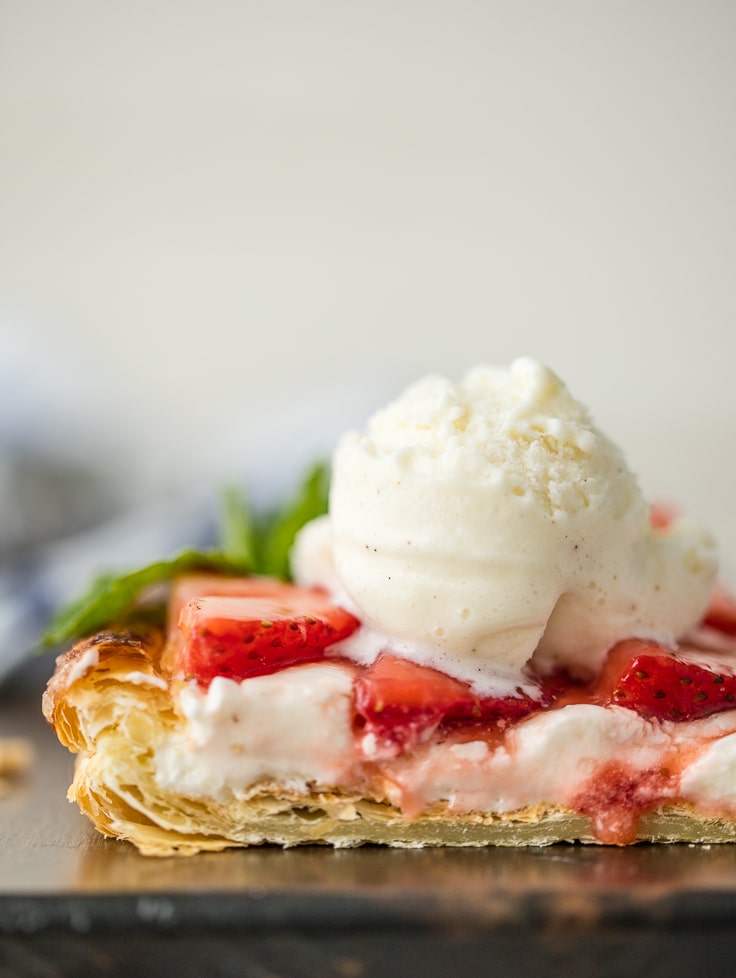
point(490, 638)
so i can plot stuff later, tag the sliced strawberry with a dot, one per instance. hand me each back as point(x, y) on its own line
point(662, 515)
point(186, 587)
point(241, 637)
point(721, 613)
point(658, 683)
point(399, 704)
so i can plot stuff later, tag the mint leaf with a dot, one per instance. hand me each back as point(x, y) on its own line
point(246, 545)
point(309, 502)
point(237, 529)
point(111, 596)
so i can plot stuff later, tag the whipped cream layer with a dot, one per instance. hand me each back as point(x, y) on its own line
point(473, 525)
point(294, 728)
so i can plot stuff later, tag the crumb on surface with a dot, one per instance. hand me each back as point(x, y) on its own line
point(16, 756)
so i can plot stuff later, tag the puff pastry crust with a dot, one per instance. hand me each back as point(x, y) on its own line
point(110, 702)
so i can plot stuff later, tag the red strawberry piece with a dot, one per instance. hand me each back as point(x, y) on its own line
point(186, 587)
point(658, 683)
point(399, 704)
point(721, 612)
point(240, 637)
point(662, 516)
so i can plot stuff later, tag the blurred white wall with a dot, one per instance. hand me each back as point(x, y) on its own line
point(253, 221)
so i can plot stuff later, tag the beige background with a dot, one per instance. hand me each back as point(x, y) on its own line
point(239, 225)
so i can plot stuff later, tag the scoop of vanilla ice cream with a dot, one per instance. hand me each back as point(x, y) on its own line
point(474, 525)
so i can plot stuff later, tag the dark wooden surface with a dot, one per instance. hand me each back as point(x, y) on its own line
point(72, 903)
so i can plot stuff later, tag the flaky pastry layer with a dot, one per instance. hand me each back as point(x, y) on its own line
point(109, 702)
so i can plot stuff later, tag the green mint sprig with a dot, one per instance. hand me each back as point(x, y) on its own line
point(247, 545)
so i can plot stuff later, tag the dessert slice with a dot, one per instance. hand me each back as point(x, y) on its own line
point(247, 726)
point(491, 640)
